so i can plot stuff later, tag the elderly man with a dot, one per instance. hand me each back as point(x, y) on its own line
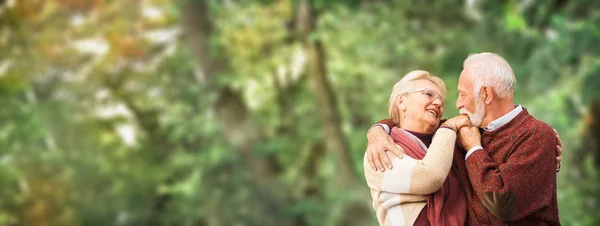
point(509, 169)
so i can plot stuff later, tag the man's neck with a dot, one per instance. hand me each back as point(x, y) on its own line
point(497, 110)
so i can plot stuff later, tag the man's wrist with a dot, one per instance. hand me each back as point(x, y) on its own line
point(385, 127)
point(472, 150)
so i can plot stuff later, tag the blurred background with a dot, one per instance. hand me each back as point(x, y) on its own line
point(239, 112)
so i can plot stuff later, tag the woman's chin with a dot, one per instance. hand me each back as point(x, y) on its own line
point(433, 120)
point(434, 124)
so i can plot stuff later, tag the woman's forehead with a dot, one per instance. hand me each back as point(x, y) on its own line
point(424, 83)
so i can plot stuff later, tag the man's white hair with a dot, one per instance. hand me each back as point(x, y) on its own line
point(490, 69)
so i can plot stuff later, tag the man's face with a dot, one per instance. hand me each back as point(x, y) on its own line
point(469, 102)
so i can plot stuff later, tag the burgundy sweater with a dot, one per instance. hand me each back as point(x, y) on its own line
point(513, 180)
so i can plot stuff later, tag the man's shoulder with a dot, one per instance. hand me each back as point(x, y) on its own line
point(538, 126)
point(535, 128)
point(535, 135)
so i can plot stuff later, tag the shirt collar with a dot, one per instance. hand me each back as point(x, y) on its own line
point(504, 119)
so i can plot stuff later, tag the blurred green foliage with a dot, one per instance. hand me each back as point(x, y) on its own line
point(111, 116)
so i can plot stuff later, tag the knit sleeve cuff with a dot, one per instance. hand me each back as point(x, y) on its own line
point(475, 156)
point(473, 149)
point(385, 127)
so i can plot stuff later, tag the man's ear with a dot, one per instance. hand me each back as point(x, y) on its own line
point(487, 94)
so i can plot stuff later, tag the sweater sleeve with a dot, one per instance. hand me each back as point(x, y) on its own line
point(520, 186)
point(411, 176)
point(388, 122)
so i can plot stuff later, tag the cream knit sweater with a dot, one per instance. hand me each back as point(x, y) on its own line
point(400, 194)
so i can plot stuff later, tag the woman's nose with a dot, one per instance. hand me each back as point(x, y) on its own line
point(438, 102)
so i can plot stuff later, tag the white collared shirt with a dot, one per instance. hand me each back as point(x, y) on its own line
point(504, 119)
point(499, 122)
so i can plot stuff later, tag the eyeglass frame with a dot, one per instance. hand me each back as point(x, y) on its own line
point(431, 98)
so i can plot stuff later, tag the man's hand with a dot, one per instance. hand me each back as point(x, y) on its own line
point(378, 143)
point(469, 137)
point(558, 151)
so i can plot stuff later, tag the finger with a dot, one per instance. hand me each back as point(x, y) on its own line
point(558, 138)
point(558, 151)
point(371, 163)
point(377, 160)
point(393, 147)
point(400, 151)
point(558, 163)
point(386, 161)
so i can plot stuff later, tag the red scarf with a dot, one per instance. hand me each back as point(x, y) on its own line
point(446, 206)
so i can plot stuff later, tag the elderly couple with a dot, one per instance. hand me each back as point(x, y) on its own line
point(492, 165)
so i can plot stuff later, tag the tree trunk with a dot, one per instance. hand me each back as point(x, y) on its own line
point(329, 115)
point(350, 211)
point(238, 127)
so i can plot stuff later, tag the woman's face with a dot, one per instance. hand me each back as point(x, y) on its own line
point(423, 105)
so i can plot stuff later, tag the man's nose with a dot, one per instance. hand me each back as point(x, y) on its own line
point(459, 103)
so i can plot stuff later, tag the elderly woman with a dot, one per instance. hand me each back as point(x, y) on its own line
point(420, 189)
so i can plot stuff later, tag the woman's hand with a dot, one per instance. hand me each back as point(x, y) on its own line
point(558, 151)
point(458, 122)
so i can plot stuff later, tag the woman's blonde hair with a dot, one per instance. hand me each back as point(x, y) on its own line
point(406, 85)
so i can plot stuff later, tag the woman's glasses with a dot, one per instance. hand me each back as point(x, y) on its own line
point(432, 95)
